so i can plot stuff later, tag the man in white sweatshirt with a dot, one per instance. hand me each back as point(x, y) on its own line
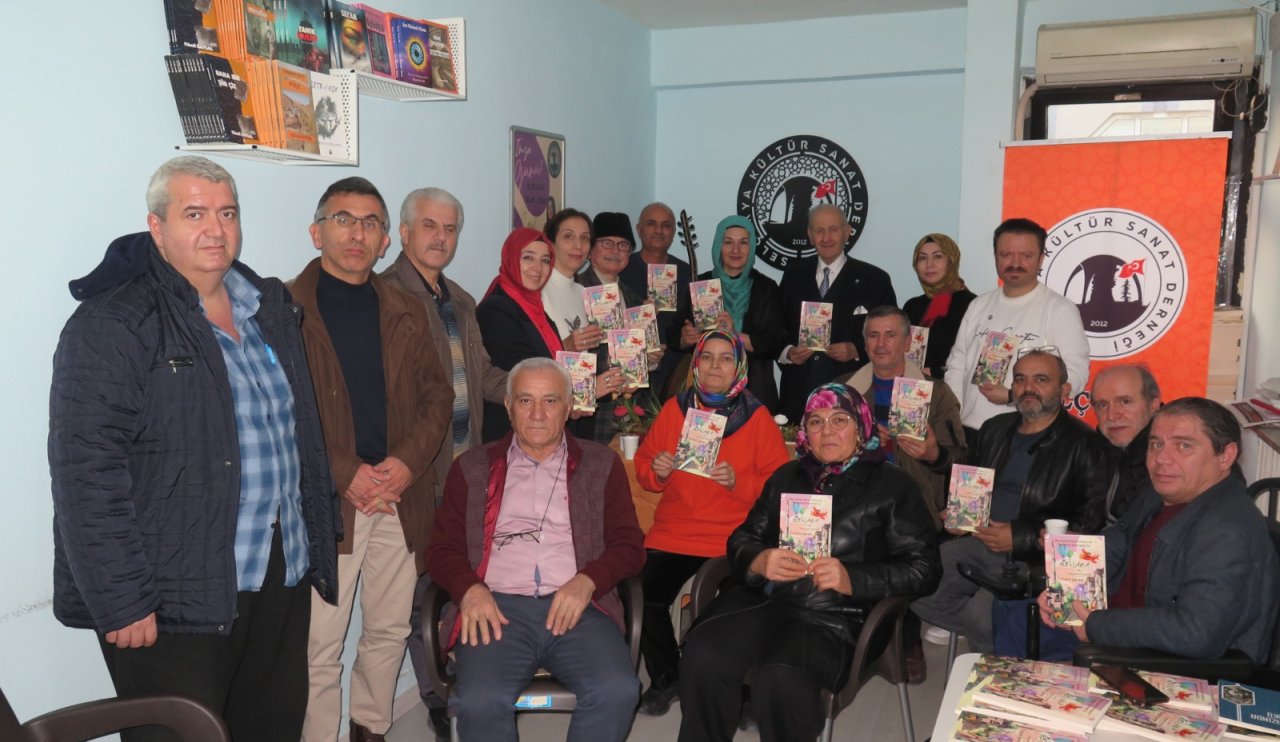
point(1034, 314)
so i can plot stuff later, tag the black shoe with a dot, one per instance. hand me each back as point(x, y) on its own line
point(657, 701)
point(439, 720)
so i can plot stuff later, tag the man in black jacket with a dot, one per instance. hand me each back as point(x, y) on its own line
point(193, 507)
point(1124, 399)
point(1048, 465)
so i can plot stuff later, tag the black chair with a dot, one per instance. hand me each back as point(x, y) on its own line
point(189, 718)
point(1271, 488)
point(545, 693)
point(888, 614)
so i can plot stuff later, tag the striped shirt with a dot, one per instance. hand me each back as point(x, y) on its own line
point(270, 467)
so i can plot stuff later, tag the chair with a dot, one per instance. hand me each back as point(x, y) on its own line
point(545, 693)
point(1271, 488)
point(186, 716)
point(887, 614)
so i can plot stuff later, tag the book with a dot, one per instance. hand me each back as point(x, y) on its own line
point(330, 116)
point(299, 114)
point(969, 497)
point(918, 346)
point(662, 287)
point(350, 40)
point(644, 317)
point(708, 303)
point(1075, 573)
point(410, 53)
point(1160, 723)
point(582, 371)
point(815, 325)
point(604, 306)
point(804, 524)
point(377, 40)
point(974, 727)
point(994, 358)
point(1249, 706)
point(303, 35)
point(1038, 671)
point(259, 29)
point(1038, 703)
point(699, 446)
point(909, 407)
point(1248, 735)
point(627, 352)
point(193, 26)
point(1187, 694)
point(444, 73)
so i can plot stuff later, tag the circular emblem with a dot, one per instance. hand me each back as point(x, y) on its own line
point(417, 53)
point(553, 159)
point(785, 181)
point(1124, 271)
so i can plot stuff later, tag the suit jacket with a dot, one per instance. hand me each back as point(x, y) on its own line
point(485, 382)
point(509, 337)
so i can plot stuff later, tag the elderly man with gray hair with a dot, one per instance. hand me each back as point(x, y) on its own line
point(535, 532)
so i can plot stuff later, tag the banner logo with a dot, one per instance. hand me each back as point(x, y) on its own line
point(785, 181)
point(1124, 271)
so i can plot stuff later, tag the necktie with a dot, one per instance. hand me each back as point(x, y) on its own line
point(826, 283)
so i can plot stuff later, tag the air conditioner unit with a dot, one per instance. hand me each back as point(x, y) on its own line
point(1178, 47)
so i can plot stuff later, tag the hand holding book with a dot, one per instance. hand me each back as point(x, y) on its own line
point(779, 565)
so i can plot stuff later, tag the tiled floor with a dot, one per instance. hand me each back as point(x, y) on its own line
point(873, 717)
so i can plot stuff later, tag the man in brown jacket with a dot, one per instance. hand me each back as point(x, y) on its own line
point(384, 406)
point(430, 224)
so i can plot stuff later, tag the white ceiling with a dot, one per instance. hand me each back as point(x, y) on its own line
point(690, 13)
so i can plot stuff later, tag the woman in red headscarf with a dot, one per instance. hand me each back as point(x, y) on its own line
point(512, 321)
point(940, 308)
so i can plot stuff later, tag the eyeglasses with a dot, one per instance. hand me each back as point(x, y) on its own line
point(837, 423)
point(533, 534)
point(347, 221)
point(615, 245)
point(1050, 349)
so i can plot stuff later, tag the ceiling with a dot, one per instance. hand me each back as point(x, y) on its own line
point(689, 13)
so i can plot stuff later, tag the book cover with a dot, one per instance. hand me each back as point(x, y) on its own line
point(969, 497)
point(1248, 735)
point(644, 317)
point(231, 80)
point(444, 75)
point(1159, 723)
point(1075, 573)
point(410, 55)
point(604, 306)
point(708, 303)
point(582, 371)
point(699, 446)
point(303, 35)
point(815, 325)
point(331, 116)
point(804, 524)
point(1036, 671)
point(350, 41)
point(193, 27)
point(1188, 694)
point(909, 407)
point(1249, 706)
point(1062, 708)
point(918, 346)
point(627, 352)
point(973, 727)
point(662, 287)
point(994, 358)
point(379, 47)
point(259, 29)
point(297, 109)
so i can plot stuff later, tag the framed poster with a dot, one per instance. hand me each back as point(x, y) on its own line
point(537, 176)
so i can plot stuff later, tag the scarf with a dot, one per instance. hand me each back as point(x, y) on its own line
point(737, 404)
point(939, 305)
point(841, 397)
point(737, 290)
point(951, 280)
point(530, 301)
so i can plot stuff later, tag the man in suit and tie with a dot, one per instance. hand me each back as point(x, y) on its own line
point(850, 285)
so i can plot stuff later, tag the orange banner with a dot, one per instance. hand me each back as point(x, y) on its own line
point(1134, 230)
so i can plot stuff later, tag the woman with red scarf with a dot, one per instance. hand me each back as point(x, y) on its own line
point(944, 301)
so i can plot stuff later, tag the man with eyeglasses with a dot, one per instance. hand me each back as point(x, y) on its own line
point(1035, 315)
point(535, 532)
point(1048, 464)
point(385, 405)
point(657, 228)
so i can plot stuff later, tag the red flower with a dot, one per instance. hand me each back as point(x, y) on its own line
point(639, 412)
point(619, 411)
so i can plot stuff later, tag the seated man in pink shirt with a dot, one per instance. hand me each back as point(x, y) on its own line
point(534, 533)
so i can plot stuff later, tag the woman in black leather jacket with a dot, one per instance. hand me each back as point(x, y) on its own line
point(790, 622)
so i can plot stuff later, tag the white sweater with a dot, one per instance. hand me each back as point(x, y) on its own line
point(1040, 317)
point(562, 300)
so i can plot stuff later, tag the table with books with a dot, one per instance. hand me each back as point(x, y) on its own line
point(997, 698)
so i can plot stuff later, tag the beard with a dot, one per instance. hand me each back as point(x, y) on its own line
point(1032, 406)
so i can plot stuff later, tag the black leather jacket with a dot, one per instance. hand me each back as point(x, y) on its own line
point(1129, 478)
point(1068, 479)
point(881, 531)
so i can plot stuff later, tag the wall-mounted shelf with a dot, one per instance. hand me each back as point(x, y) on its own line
point(269, 154)
point(385, 87)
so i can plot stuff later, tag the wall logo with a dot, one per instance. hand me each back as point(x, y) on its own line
point(785, 181)
point(1124, 271)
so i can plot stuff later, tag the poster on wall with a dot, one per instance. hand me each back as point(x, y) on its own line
point(537, 176)
point(1134, 230)
point(787, 179)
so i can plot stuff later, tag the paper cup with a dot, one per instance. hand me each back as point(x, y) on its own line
point(1055, 526)
point(631, 442)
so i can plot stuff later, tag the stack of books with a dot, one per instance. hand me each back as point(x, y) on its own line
point(1027, 700)
point(410, 50)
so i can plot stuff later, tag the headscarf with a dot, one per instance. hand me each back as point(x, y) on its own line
point(736, 291)
point(951, 280)
point(841, 397)
point(736, 403)
point(528, 300)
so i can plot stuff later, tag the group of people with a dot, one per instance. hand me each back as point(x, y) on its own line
point(231, 455)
